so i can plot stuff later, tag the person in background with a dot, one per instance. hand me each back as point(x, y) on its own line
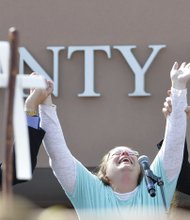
point(36, 134)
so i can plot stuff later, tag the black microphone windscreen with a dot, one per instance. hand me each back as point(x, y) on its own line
point(143, 159)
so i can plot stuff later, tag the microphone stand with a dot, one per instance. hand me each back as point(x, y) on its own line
point(160, 183)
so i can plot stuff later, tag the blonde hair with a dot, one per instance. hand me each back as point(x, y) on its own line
point(101, 174)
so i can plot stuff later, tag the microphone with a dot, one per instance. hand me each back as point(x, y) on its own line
point(148, 175)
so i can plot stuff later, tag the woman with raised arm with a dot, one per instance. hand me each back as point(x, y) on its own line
point(118, 190)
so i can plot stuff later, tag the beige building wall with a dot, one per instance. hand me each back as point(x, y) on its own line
point(93, 125)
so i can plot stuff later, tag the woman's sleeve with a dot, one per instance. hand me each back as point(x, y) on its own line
point(172, 149)
point(61, 160)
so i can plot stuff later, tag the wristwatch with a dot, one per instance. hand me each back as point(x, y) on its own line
point(31, 113)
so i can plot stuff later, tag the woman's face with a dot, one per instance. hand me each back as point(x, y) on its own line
point(120, 161)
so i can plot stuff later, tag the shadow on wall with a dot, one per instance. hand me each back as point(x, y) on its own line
point(43, 190)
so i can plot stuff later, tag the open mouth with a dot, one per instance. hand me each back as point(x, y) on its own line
point(125, 160)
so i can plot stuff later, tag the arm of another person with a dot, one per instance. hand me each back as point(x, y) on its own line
point(36, 134)
point(35, 139)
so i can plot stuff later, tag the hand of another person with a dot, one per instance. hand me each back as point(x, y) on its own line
point(180, 75)
point(38, 96)
point(167, 109)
